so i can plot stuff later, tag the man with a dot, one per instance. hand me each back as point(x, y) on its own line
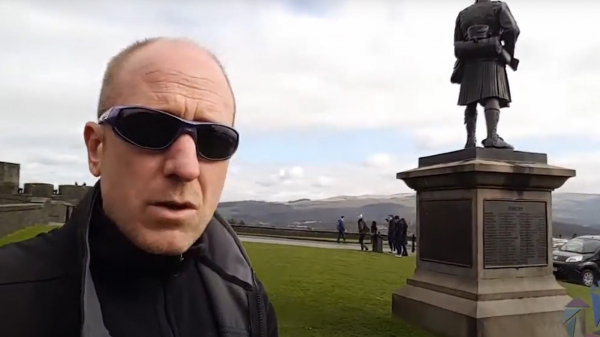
point(341, 228)
point(363, 230)
point(401, 237)
point(145, 253)
point(391, 234)
point(397, 235)
point(485, 36)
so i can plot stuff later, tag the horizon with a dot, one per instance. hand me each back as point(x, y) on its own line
point(330, 198)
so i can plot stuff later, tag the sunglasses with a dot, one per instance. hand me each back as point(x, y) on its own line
point(157, 130)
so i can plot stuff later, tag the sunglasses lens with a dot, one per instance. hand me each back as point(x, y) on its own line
point(216, 142)
point(147, 128)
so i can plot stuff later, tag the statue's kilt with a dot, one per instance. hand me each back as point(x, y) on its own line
point(484, 79)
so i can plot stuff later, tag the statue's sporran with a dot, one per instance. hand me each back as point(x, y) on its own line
point(484, 44)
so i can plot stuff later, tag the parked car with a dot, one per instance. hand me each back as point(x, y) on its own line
point(557, 243)
point(578, 259)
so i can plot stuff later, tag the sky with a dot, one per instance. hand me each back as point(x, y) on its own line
point(334, 96)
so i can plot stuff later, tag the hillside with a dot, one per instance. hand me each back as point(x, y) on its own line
point(573, 212)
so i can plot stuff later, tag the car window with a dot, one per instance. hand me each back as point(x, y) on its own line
point(583, 246)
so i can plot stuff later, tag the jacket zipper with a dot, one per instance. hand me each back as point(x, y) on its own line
point(261, 319)
point(167, 300)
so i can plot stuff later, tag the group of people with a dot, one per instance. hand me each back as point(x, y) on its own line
point(397, 233)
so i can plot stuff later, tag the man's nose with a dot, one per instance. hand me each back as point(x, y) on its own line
point(182, 160)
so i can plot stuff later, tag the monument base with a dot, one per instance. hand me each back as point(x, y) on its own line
point(484, 257)
point(452, 316)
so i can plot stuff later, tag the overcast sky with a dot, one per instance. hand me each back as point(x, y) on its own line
point(334, 97)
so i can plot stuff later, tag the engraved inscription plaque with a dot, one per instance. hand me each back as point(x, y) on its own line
point(515, 234)
point(445, 232)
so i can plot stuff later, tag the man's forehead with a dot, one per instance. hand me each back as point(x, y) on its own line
point(181, 55)
point(175, 66)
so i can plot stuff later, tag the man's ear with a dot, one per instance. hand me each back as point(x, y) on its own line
point(93, 135)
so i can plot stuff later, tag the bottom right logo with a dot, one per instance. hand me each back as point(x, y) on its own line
point(574, 315)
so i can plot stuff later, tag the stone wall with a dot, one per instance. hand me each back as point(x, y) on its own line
point(17, 216)
point(289, 232)
point(9, 177)
point(6, 199)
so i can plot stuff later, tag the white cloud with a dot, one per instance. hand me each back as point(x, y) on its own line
point(355, 65)
point(324, 181)
point(317, 181)
point(379, 160)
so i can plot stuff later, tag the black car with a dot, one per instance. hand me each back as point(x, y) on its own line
point(578, 260)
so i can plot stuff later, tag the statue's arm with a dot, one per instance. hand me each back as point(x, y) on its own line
point(458, 35)
point(510, 29)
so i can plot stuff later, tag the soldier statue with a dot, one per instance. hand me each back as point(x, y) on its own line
point(484, 44)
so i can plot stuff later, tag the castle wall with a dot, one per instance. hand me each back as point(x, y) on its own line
point(72, 193)
point(9, 177)
point(6, 199)
point(17, 216)
point(39, 190)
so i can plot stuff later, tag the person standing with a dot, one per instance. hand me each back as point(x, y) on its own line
point(374, 229)
point(341, 227)
point(363, 230)
point(397, 235)
point(403, 237)
point(391, 234)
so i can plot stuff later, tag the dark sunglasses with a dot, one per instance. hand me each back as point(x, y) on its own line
point(157, 130)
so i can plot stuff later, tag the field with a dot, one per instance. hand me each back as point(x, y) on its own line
point(329, 293)
point(25, 233)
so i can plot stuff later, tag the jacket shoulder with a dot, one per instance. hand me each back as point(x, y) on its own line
point(44, 257)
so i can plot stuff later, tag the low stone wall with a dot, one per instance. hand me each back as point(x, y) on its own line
point(16, 216)
point(11, 199)
point(288, 232)
point(291, 232)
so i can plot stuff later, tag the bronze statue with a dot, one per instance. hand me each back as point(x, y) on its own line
point(484, 44)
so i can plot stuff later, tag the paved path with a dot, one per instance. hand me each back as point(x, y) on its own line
point(305, 243)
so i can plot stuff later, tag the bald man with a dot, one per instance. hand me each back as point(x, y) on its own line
point(145, 253)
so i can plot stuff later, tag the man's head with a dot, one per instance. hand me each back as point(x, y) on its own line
point(139, 186)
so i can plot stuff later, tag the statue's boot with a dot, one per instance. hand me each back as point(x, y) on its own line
point(492, 116)
point(471, 125)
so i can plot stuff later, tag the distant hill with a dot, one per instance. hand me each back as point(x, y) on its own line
point(573, 212)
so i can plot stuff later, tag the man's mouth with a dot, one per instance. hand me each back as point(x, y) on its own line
point(175, 206)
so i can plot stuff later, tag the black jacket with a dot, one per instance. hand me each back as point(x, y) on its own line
point(46, 288)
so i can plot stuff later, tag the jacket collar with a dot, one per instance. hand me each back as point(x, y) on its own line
point(222, 251)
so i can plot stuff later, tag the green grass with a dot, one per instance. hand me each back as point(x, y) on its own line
point(330, 293)
point(25, 233)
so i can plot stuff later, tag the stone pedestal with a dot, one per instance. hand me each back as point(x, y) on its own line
point(484, 257)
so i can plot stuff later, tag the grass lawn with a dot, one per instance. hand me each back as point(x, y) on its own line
point(25, 233)
point(320, 292)
point(330, 293)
